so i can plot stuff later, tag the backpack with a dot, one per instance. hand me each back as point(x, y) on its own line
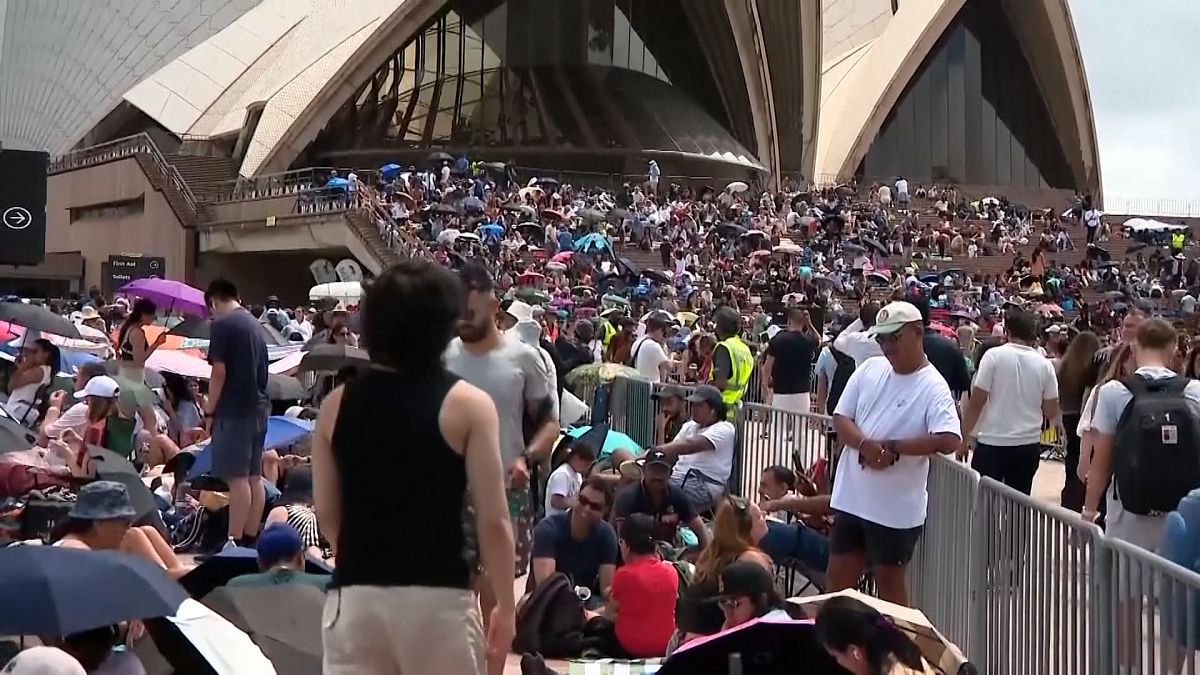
point(841, 375)
point(550, 622)
point(1156, 461)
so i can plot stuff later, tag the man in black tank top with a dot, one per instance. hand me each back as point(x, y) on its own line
point(401, 598)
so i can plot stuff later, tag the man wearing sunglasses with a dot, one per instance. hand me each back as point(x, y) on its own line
point(894, 412)
point(578, 543)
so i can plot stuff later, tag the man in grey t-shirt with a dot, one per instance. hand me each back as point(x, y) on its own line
point(516, 378)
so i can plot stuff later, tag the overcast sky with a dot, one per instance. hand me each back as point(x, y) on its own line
point(1142, 65)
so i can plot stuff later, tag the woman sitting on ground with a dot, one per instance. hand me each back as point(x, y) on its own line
point(185, 420)
point(748, 592)
point(294, 507)
point(94, 399)
point(36, 366)
point(737, 528)
point(865, 642)
point(102, 520)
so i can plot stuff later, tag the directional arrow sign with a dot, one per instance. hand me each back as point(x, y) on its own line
point(16, 218)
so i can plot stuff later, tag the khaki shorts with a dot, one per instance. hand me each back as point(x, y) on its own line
point(410, 630)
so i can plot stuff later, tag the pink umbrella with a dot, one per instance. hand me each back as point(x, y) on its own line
point(180, 363)
point(286, 364)
point(563, 257)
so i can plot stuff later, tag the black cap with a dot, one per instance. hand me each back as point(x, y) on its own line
point(745, 578)
point(706, 393)
point(656, 456)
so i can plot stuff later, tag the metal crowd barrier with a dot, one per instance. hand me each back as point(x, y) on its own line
point(1036, 599)
point(1020, 585)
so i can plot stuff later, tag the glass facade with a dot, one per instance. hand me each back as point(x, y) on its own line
point(973, 114)
point(548, 74)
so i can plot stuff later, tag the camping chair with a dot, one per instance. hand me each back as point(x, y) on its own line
point(1053, 447)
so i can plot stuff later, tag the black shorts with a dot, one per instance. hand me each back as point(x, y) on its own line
point(883, 545)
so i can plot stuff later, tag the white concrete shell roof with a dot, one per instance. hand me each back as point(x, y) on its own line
point(870, 59)
point(64, 64)
point(281, 55)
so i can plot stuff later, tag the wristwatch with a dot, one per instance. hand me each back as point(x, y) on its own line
point(890, 446)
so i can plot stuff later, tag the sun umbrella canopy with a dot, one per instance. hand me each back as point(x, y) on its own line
point(592, 241)
point(198, 640)
point(601, 373)
point(13, 436)
point(330, 358)
point(281, 432)
point(284, 620)
point(35, 317)
point(53, 590)
point(285, 388)
point(346, 291)
point(736, 187)
point(169, 296)
point(607, 440)
point(337, 183)
point(389, 171)
point(935, 648)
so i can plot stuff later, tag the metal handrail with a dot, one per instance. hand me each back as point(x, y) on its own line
point(127, 147)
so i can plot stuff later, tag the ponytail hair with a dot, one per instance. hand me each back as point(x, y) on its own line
point(843, 622)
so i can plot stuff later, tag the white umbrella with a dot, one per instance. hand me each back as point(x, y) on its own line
point(448, 236)
point(346, 291)
point(469, 236)
point(736, 187)
point(228, 650)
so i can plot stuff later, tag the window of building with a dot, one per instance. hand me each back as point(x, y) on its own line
point(117, 209)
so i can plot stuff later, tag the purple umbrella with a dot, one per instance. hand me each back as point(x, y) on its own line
point(172, 296)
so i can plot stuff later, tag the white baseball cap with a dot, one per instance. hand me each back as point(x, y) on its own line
point(101, 386)
point(893, 317)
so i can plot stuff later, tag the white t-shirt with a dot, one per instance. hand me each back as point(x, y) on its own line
point(888, 406)
point(120, 663)
point(563, 481)
point(74, 418)
point(648, 355)
point(856, 343)
point(1017, 379)
point(716, 463)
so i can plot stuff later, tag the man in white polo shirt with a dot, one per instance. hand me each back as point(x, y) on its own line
point(1015, 389)
point(894, 412)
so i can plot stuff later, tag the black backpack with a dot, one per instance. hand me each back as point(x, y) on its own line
point(841, 375)
point(1157, 461)
point(550, 622)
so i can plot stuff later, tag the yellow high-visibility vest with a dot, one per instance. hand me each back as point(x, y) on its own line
point(742, 360)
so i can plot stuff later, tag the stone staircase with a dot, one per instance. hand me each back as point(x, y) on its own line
point(360, 222)
point(200, 171)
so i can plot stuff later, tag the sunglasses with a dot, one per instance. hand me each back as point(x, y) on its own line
point(589, 504)
point(885, 338)
point(739, 504)
point(730, 603)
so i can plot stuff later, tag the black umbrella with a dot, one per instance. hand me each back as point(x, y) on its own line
point(285, 388)
point(1098, 253)
point(217, 570)
point(631, 266)
point(332, 358)
point(655, 275)
point(111, 466)
point(495, 167)
point(1136, 246)
point(1112, 295)
point(193, 327)
point(1119, 307)
point(617, 215)
point(284, 621)
point(54, 590)
point(875, 244)
point(532, 231)
point(36, 317)
point(13, 436)
point(441, 157)
point(877, 279)
point(271, 335)
point(590, 215)
point(514, 207)
point(548, 183)
point(726, 228)
point(853, 248)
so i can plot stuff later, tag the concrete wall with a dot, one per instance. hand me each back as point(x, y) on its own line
point(258, 275)
point(250, 210)
point(154, 232)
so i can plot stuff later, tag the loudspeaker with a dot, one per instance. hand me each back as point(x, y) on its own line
point(23, 207)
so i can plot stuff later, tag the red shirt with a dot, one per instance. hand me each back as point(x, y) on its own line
point(645, 591)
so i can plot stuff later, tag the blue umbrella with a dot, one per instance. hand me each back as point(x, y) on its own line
point(338, 183)
point(51, 590)
point(233, 562)
point(389, 171)
point(613, 440)
point(490, 230)
point(281, 432)
point(597, 241)
point(73, 360)
point(472, 204)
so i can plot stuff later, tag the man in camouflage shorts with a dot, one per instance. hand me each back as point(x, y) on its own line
point(519, 382)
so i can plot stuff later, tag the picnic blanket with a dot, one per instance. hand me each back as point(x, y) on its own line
point(614, 667)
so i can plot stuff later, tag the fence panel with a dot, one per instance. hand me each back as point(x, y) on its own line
point(768, 436)
point(1037, 601)
point(939, 576)
point(1153, 617)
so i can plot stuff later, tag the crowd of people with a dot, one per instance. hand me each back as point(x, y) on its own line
point(496, 337)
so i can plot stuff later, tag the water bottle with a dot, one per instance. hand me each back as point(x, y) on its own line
point(584, 593)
